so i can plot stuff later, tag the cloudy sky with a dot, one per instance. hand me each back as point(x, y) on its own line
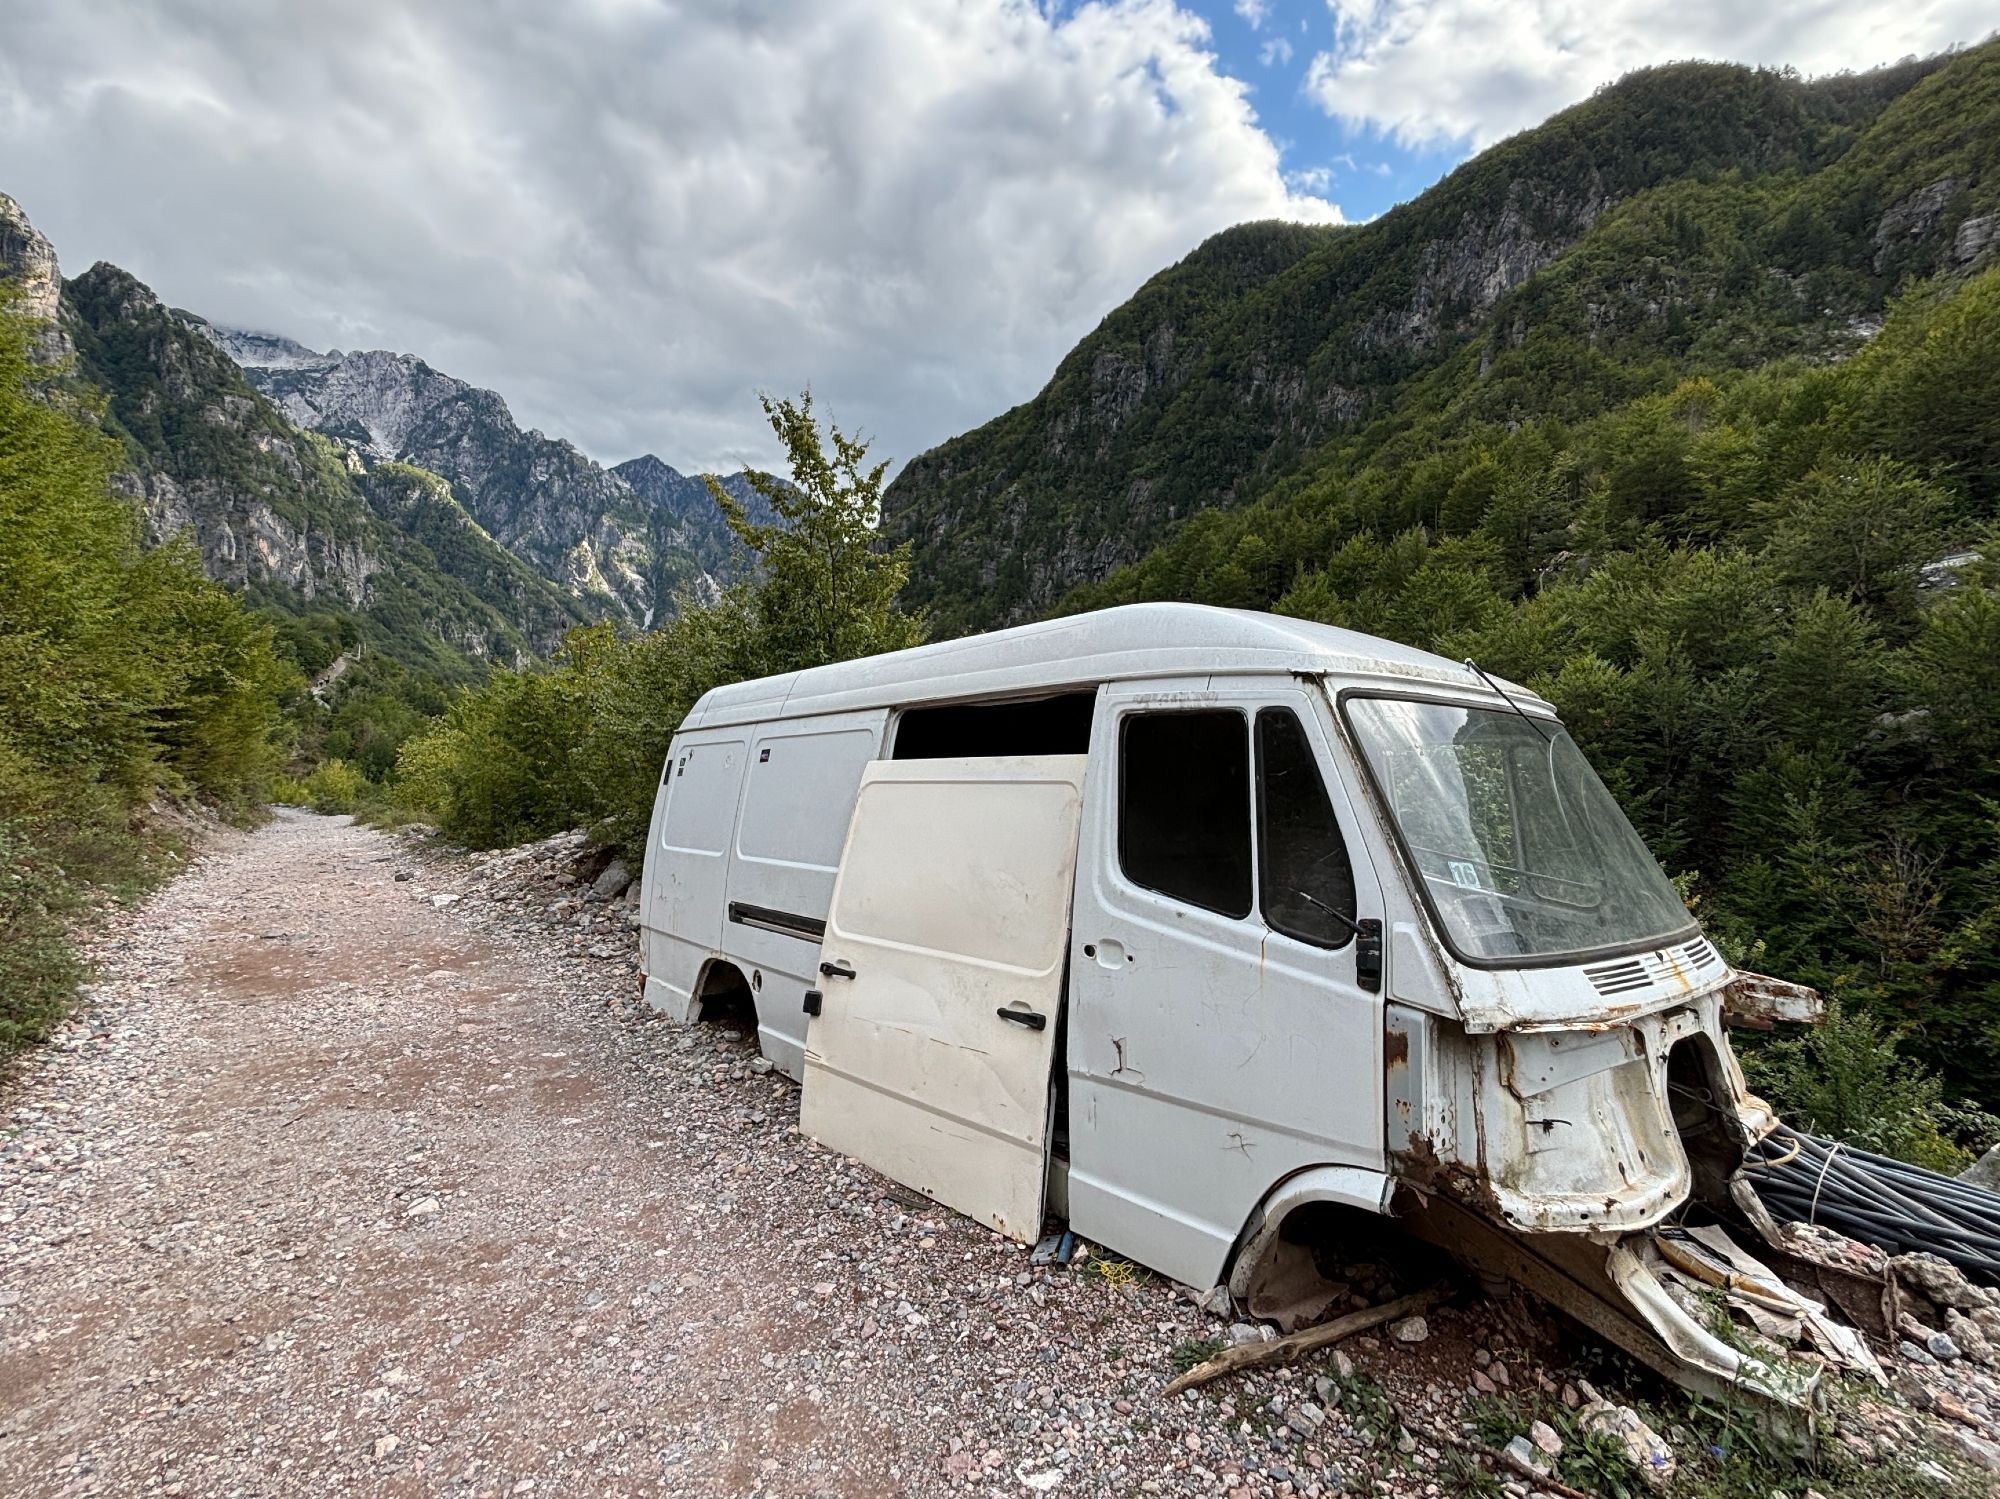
point(627, 216)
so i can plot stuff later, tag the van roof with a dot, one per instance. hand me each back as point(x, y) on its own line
point(1130, 641)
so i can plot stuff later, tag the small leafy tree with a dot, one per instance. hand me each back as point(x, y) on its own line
point(829, 590)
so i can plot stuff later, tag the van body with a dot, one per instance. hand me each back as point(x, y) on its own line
point(1176, 920)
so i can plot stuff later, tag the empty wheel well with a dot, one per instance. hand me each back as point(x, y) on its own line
point(724, 994)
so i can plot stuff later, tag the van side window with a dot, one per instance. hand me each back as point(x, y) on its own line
point(1184, 807)
point(1058, 725)
point(1302, 866)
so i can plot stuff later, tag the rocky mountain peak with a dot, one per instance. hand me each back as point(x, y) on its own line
point(264, 351)
point(28, 261)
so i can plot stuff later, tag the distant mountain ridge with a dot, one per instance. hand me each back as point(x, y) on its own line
point(1692, 217)
point(589, 529)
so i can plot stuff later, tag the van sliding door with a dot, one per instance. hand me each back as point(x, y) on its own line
point(941, 978)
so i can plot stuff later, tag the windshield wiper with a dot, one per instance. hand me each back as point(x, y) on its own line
point(1505, 697)
point(1313, 900)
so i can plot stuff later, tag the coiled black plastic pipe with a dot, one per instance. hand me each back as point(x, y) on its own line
point(1900, 1208)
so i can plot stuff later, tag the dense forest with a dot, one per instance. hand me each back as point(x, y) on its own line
point(1767, 603)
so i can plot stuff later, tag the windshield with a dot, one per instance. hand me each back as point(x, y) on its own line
point(1522, 852)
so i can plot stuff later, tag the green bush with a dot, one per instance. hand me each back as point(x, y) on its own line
point(334, 786)
point(1847, 1080)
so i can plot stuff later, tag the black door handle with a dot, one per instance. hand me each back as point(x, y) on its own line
point(836, 971)
point(1034, 1020)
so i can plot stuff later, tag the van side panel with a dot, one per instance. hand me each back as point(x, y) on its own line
point(801, 784)
point(687, 864)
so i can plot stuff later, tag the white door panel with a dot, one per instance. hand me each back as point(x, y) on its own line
point(950, 908)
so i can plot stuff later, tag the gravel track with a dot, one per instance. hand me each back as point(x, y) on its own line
point(352, 1178)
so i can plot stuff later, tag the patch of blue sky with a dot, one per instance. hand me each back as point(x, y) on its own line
point(1269, 47)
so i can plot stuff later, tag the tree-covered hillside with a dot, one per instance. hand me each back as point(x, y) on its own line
point(1692, 218)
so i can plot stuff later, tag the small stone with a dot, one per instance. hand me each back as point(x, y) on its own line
point(439, 902)
point(1483, 1384)
point(1216, 1302)
point(1246, 1332)
point(1305, 1418)
point(1980, 1452)
point(1525, 1454)
point(1544, 1436)
point(1914, 1353)
point(1410, 1330)
point(423, 1207)
point(1342, 1364)
point(1949, 1405)
point(1941, 1347)
point(761, 1065)
point(386, 1446)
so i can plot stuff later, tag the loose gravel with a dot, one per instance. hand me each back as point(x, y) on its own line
point(350, 1177)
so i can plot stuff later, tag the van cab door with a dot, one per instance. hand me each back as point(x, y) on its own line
point(1225, 1022)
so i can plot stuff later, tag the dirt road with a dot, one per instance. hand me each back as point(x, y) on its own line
point(342, 1182)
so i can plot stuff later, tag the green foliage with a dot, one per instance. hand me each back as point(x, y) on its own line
point(1722, 585)
point(582, 742)
point(335, 786)
point(124, 676)
point(1847, 1081)
point(1190, 1352)
point(827, 594)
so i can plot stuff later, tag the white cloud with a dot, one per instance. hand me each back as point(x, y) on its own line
point(1436, 71)
point(629, 215)
point(1310, 179)
point(1256, 12)
point(1276, 50)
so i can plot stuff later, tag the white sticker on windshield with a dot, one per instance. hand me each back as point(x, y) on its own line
point(1464, 875)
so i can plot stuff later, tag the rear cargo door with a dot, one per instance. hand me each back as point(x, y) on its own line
point(941, 979)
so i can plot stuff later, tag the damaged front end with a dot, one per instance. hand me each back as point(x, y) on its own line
point(1597, 1162)
point(1561, 1098)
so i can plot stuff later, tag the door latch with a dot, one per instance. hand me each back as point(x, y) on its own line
point(813, 998)
point(838, 971)
point(1034, 1020)
point(1368, 954)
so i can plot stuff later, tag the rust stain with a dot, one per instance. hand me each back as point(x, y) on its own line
point(1395, 1049)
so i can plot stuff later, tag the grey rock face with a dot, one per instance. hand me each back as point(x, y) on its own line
point(28, 260)
point(1984, 1172)
point(1974, 238)
point(1912, 218)
point(625, 541)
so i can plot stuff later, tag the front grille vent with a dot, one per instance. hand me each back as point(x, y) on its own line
point(1619, 978)
point(1699, 953)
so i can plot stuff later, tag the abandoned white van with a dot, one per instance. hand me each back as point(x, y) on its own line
point(1179, 922)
